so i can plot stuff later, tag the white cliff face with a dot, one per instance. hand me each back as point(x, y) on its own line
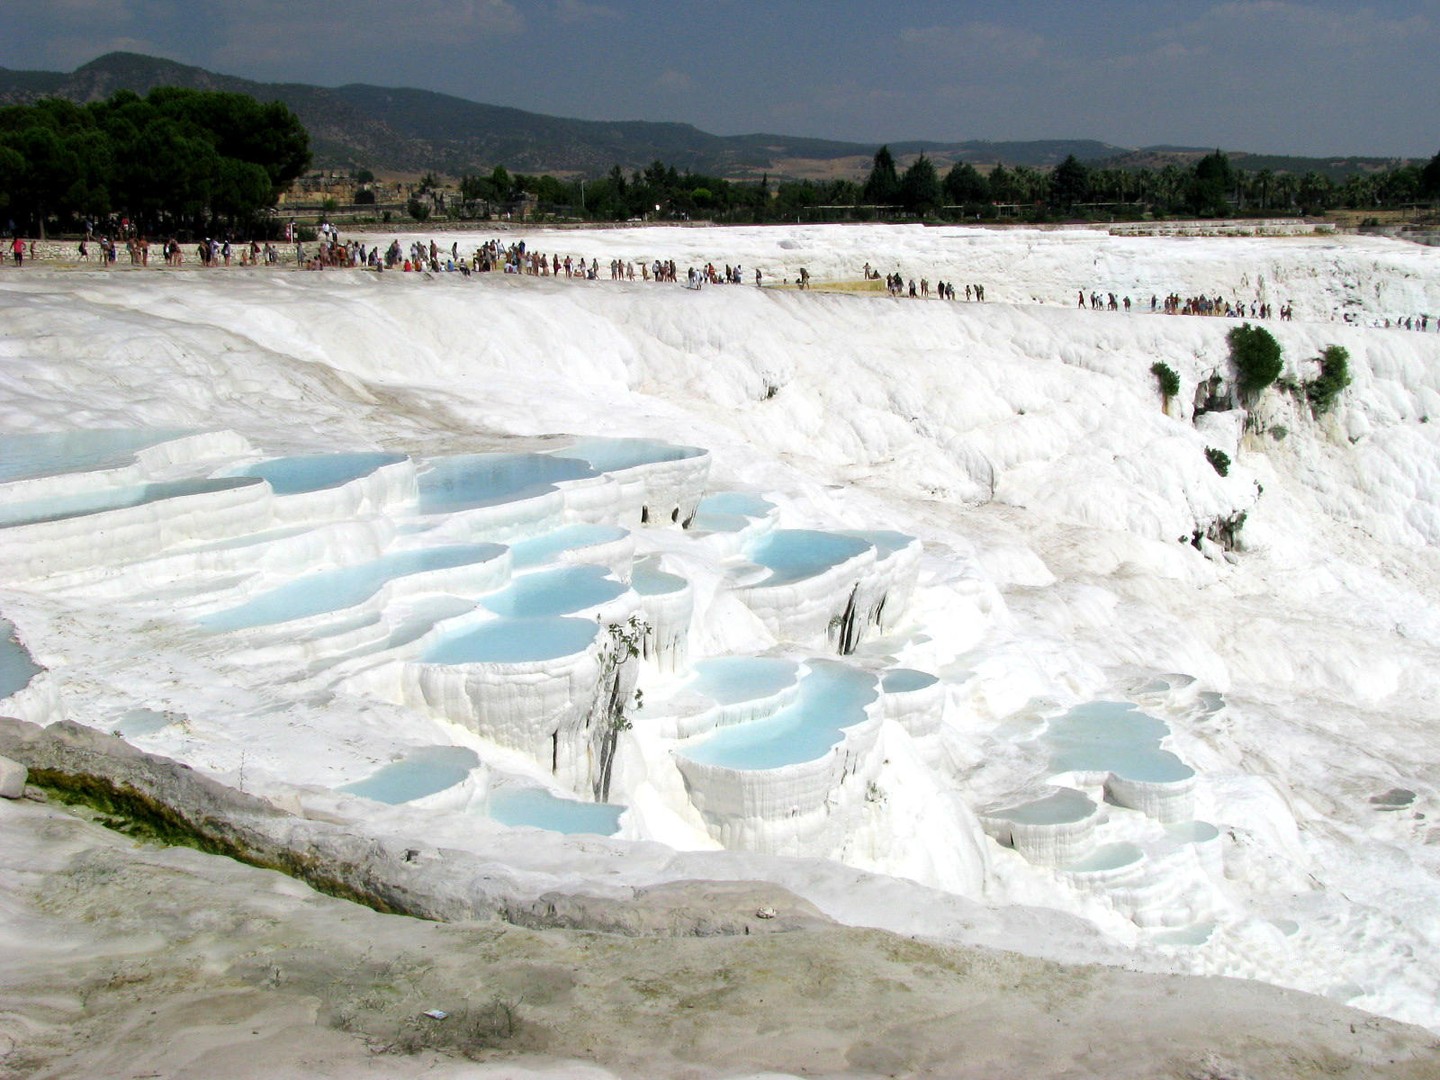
point(1016, 515)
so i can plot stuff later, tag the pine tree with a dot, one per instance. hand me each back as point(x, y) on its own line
point(883, 186)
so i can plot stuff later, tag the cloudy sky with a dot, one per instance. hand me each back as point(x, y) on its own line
point(1311, 77)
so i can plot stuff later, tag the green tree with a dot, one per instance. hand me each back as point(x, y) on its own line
point(882, 187)
point(1262, 184)
point(502, 183)
point(1334, 377)
point(238, 188)
point(174, 157)
point(238, 126)
point(920, 187)
point(964, 184)
point(1430, 178)
point(1210, 185)
point(1069, 183)
point(1316, 192)
point(1003, 186)
point(1256, 356)
point(1169, 381)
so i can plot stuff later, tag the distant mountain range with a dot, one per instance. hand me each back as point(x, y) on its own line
point(402, 131)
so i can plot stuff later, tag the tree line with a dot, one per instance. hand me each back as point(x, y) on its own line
point(194, 162)
point(175, 161)
point(1212, 187)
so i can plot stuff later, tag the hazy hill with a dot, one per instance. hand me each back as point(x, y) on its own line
point(398, 130)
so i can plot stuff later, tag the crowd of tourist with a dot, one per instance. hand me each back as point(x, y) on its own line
point(1194, 305)
point(330, 251)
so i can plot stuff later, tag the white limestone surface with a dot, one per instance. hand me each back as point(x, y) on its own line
point(1021, 440)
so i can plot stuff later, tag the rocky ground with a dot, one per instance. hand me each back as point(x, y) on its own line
point(130, 959)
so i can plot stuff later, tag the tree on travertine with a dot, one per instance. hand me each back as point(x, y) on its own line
point(1169, 381)
point(619, 646)
point(1334, 377)
point(1219, 460)
point(1256, 356)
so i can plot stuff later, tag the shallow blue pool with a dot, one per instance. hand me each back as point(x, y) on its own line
point(545, 548)
point(537, 808)
point(514, 641)
point(905, 680)
point(554, 592)
point(16, 666)
point(729, 511)
point(649, 581)
point(1113, 736)
point(1107, 857)
point(885, 541)
point(795, 554)
point(727, 680)
point(298, 475)
point(1193, 832)
point(1065, 806)
point(474, 480)
point(82, 504)
point(1198, 934)
point(335, 590)
point(134, 723)
point(831, 697)
point(422, 772)
point(25, 457)
point(615, 455)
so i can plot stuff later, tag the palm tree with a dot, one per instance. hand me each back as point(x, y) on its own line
point(1264, 183)
point(1287, 186)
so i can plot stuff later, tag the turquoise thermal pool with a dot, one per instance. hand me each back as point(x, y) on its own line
point(906, 680)
point(335, 590)
point(729, 511)
point(298, 475)
point(26, 457)
point(830, 698)
point(538, 809)
point(513, 641)
point(728, 680)
point(1107, 857)
point(1113, 737)
point(796, 554)
point(554, 592)
point(544, 549)
point(422, 772)
point(648, 581)
point(16, 666)
point(448, 485)
point(82, 504)
point(616, 455)
point(1065, 806)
